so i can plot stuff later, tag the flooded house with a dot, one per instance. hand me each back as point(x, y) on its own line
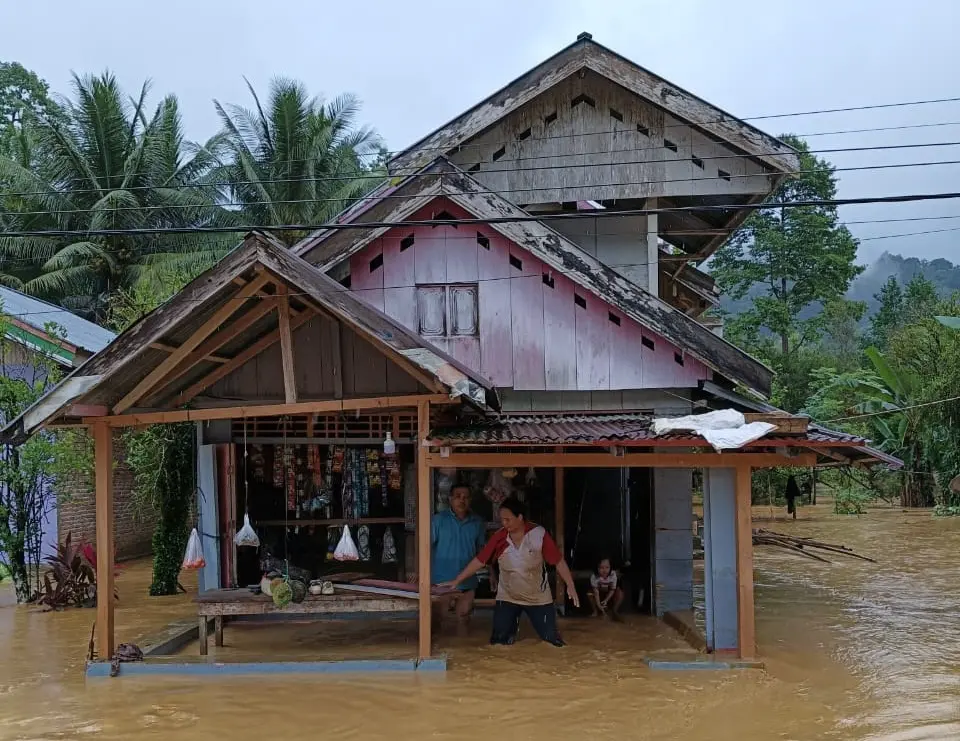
point(517, 307)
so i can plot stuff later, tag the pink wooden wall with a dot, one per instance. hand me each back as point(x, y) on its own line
point(533, 337)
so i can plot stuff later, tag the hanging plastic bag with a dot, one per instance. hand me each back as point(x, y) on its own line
point(363, 542)
point(247, 536)
point(346, 548)
point(194, 556)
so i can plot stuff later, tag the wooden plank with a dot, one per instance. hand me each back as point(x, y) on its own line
point(171, 348)
point(270, 410)
point(233, 304)
point(243, 357)
point(786, 424)
point(746, 628)
point(559, 332)
point(526, 314)
point(496, 342)
point(203, 635)
point(218, 340)
point(286, 346)
point(558, 533)
point(103, 465)
point(548, 459)
point(325, 605)
point(593, 343)
point(424, 496)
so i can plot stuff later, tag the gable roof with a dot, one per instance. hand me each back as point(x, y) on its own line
point(443, 179)
point(35, 314)
point(111, 374)
point(585, 53)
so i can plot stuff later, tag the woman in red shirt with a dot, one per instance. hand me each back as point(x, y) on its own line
point(522, 551)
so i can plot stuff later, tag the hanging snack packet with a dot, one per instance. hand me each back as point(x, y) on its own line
point(247, 536)
point(194, 556)
point(346, 548)
point(389, 547)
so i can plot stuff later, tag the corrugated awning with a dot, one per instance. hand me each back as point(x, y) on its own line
point(635, 430)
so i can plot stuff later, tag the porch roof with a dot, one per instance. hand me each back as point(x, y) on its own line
point(634, 430)
point(221, 321)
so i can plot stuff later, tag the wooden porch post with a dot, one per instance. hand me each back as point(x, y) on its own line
point(424, 494)
point(103, 493)
point(746, 629)
point(558, 505)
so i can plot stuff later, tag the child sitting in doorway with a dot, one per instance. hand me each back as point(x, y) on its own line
point(606, 595)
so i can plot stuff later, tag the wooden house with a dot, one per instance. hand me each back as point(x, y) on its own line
point(522, 295)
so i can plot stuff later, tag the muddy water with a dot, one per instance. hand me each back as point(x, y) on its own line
point(853, 651)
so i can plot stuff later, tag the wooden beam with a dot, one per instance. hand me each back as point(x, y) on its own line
point(746, 629)
point(232, 305)
point(549, 459)
point(103, 496)
point(336, 360)
point(135, 419)
point(423, 530)
point(558, 535)
point(785, 424)
point(218, 340)
point(286, 346)
point(243, 357)
point(172, 348)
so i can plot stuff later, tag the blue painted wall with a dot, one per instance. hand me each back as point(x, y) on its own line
point(720, 557)
point(673, 544)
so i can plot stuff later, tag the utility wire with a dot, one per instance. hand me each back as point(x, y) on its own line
point(894, 411)
point(564, 216)
point(379, 197)
point(412, 171)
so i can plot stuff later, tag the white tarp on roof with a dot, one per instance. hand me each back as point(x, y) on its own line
point(724, 429)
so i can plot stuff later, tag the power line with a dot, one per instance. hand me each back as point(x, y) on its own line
point(727, 177)
point(413, 171)
point(684, 125)
point(898, 410)
point(565, 216)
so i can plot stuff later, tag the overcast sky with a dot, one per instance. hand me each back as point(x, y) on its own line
point(418, 63)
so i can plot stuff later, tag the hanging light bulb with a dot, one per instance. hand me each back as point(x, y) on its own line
point(389, 446)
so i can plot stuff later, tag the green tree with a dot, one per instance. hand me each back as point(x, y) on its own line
point(297, 160)
point(106, 164)
point(161, 457)
point(795, 263)
point(23, 95)
point(889, 315)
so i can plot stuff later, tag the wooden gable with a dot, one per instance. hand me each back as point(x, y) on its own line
point(536, 329)
point(332, 249)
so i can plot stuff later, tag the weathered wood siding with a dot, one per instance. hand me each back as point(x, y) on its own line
point(322, 349)
point(532, 335)
point(570, 144)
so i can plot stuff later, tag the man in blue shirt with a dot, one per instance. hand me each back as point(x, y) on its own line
point(456, 537)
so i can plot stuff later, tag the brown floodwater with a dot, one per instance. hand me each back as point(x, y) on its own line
point(853, 650)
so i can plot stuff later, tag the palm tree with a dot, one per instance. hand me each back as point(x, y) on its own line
point(106, 165)
point(299, 160)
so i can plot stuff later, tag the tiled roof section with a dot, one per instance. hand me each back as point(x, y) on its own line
point(573, 429)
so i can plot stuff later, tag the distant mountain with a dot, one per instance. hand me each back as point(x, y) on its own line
point(942, 273)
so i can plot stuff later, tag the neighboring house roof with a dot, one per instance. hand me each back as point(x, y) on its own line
point(443, 179)
point(118, 369)
point(585, 53)
point(29, 316)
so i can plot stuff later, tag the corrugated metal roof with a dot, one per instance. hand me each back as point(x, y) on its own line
point(79, 332)
point(572, 429)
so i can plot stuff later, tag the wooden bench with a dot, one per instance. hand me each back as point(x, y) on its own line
point(221, 603)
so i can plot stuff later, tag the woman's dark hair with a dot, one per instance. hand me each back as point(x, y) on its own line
point(515, 506)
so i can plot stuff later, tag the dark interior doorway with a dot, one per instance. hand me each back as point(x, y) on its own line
point(607, 514)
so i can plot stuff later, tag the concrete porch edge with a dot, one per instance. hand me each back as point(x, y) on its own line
point(171, 666)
